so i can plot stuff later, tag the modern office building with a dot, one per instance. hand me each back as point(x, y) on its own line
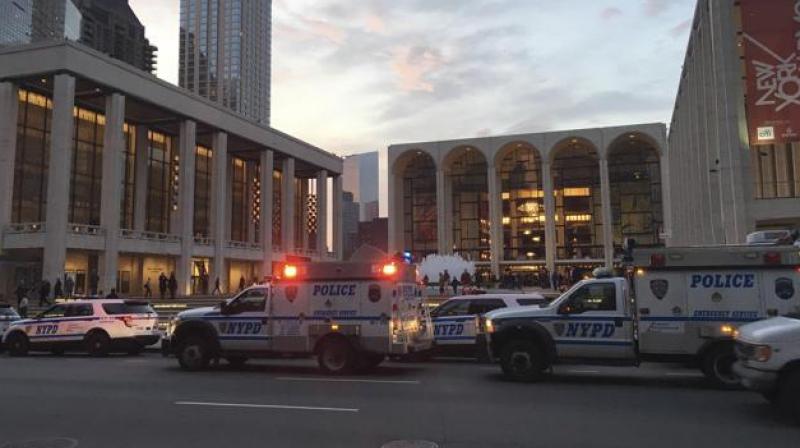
point(361, 179)
point(350, 212)
point(111, 27)
point(26, 21)
point(110, 175)
point(735, 134)
point(520, 202)
point(225, 53)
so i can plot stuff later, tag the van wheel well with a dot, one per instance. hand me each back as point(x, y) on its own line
point(544, 343)
point(328, 338)
point(198, 330)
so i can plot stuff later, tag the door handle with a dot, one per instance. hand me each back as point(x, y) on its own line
point(644, 311)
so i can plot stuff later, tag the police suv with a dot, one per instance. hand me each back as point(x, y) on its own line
point(678, 303)
point(350, 315)
point(455, 322)
point(7, 315)
point(97, 327)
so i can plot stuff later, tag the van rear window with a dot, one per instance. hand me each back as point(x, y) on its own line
point(528, 302)
point(127, 308)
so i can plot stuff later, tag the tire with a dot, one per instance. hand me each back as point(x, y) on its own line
point(17, 344)
point(369, 361)
point(717, 366)
point(523, 361)
point(336, 357)
point(788, 400)
point(237, 362)
point(98, 344)
point(194, 354)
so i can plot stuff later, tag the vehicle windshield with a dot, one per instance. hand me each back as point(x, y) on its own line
point(128, 308)
point(8, 312)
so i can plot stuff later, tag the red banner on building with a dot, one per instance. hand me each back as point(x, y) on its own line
point(772, 54)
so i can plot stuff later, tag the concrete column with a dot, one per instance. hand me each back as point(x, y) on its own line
point(338, 217)
point(495, 219)
point(550, 217)
point(219, 214)
point(305, 236)
point(142, 175)
point(608, 225)
point(322, 213)
point(396, 212)
point(58, 180)
point(187, 144)
point(441, 213)
point(288, 206)
point(267, 168)
point(250, 195)
point(113, 170)
point(9, 105)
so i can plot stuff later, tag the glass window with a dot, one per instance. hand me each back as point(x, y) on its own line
point(31, 161)
point(81, 310)
point(458, 307)
point(523, 204)
point(252, 300)
point(594, 297)
point(54, 312)
point(419, 206)
point(483, 306)
point(528, 302)
point(202, 192)
point(467, 180)
point(127, 307)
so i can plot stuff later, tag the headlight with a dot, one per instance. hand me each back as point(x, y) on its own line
point(762, 353)
point(489, 325)
point(728, 330)
point(171, 326)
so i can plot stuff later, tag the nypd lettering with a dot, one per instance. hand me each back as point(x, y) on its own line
point(46, 330)
point(448, 330)
point(347, 290)
point(599, 330)
point(240, 328)
point(744, 280)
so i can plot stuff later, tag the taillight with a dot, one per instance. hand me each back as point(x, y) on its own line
point(389, 269)
point(658, 260)
point(772, 258)
point(127, 320)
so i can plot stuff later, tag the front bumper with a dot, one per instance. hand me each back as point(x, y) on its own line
point(755, 379)
point(483, 349)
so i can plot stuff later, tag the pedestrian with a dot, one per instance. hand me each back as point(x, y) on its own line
point(162, 285)
point(441, 284)
point(94, 281)
point(148, 292)
point(425, 282)
point(554, 279)
point(466, 279)
point(217, 289)
point(112, 295)
point(23, 306)
point(44, 293)
point(20, 292)
point(69, 286)
point(455, 284)
point(58, 290)
point(242, 284)
point(173, 285)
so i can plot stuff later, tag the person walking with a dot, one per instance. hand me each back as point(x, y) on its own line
point(455, 284)
point(23, 306)
point(162, 285)
point(69, 286)
point(173, 285)
point(148, 292)
point(44, 293)
point(217, 289)
point(58, 290)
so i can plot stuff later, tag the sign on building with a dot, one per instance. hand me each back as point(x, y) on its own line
point(772, 55)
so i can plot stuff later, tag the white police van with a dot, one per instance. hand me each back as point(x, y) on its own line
point(350, 315)
point(456, 321)
point(7, 315)
point(676, 304)
point(97, 327)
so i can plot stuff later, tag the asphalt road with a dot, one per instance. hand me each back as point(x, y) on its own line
point(147, 401)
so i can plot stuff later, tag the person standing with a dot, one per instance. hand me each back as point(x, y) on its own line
point(112, 295)
point(217, 289)
point(20, 292)
point(44, 293)
point(162, 285)
point(94, 281)
point(69, 286)
point(466, 279)
point(23, 306)
point(173, 285)
point(441, 284)
point(242, 284)
point(455, 284)
point(58, 290)
point(148, 292)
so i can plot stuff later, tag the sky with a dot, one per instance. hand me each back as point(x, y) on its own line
point(353, 76)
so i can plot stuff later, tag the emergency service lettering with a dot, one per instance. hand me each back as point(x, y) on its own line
point(590, 330)
point(240, 327)
point(723, 281)
point(335, 290)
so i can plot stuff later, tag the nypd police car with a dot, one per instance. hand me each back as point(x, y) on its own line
point(456, 321)
point(7, 315)
point(97, 327)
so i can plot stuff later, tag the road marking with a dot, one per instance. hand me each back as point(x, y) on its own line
point(264, 406)
point(685, 374)
point(583, 371)
point(345, 380)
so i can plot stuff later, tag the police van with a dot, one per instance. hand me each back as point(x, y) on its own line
point(674, 304)
point(349, 315)
point(455, 322)
point(97, 327)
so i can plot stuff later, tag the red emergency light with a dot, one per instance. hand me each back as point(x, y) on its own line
point(772, 258)
point(658, 260)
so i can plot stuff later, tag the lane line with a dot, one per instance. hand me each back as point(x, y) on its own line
point(583, 371)
point(345, 380)
point(264, 406)
point(685, 374)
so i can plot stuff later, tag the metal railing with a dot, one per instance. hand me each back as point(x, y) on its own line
point(203, 241)
point(149, 236)
point(25, 228)
point(85, 229)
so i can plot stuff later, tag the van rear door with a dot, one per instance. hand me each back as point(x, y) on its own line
point(662, 309)
point(780, 289)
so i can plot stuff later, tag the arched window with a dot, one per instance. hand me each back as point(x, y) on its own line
point(522, 198)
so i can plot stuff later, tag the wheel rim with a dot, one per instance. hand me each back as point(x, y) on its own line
point(723, 369)
point(192, 355)
point(334, 358)
point(521, 362)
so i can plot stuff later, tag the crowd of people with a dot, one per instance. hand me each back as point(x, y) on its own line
point(560, 279)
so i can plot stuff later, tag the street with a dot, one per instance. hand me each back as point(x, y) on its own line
point(148, 401)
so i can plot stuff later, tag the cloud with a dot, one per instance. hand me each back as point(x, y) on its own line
point(414, 65)
point(375, 23)
point(610, 13)
point(653, 8)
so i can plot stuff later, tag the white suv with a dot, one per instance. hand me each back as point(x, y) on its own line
point(97, 327)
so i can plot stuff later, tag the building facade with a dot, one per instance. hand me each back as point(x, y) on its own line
point(521, 202)
point(361, 179)
point(225, 53)
point(350, 212)
point(726, 185)
point(114, 177)
point(111, 27)
point(26, 21)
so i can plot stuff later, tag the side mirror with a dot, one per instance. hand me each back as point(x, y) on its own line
point(223, 307)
